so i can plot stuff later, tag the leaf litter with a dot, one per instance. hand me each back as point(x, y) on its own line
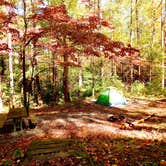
point(99, 141)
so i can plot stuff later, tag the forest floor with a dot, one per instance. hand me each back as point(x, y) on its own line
point(80, 134)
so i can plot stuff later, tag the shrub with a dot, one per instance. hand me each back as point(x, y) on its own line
point(48, 93)
point(137, 88)
point(154, 88)
point(116, 82)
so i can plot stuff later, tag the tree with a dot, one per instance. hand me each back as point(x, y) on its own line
point(9, 36)
point(1, 103)
point(7, 47)
point(131, 22)
point(137, 22)
point(163, 39)
point(30, 35)
point(77, 36)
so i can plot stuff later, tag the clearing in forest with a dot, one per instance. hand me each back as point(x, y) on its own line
point(82, 133)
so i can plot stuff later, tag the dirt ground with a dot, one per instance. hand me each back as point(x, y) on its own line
point(85, 120)
point(82, 118)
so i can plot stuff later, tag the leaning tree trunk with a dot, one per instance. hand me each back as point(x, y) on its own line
point(65, 80)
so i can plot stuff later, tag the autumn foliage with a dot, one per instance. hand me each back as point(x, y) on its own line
point(66, 36)
point(73, 36)
point(69, 33)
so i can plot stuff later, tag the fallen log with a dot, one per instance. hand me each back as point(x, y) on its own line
point(143, 119)
point(126, 123)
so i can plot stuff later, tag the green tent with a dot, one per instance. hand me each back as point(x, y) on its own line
point(111, 97)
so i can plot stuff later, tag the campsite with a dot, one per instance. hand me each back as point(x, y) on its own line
point(89, 137)
point(82, 83)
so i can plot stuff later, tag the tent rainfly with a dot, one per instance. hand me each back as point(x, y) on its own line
point(111, 97)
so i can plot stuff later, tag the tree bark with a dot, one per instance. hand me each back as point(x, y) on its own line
point(101, 71)
point(93, 76)
point(114, 68)
point(24, 81)
point(65, 81)
point(55, 76)
point(1, 75)
point(1, 103)
point(153, 24)
point(163, 39)
point(132, 73)
point(137, 23)
point(23, 47)
point(11, 70)
point(150, 72)
point(131, 22)
point(139, 72)
point(80, 80)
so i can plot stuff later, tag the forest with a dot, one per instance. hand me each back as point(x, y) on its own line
point(83, 82)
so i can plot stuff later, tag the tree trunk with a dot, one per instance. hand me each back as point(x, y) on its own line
point(139, 72)
point(24, 82)
point(131, 22)
point(65, 81)
point(121, 70)
point(2, 71)
point(114, 68)
point(53, 68)
point(101, 71)
point(150, 72)
point(11, 70)
point(1, 103)
point(163, 38)
point(55, 77)
point(35, 92)
point(132, 73)
point(153, 24)
point(80, 80)
point(26, 104)
point(137, 24)
point(93, 77)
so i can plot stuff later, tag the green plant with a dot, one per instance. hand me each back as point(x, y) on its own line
point(17, 153)
point(150, 164)
point(137, 88)
point(8, 162)
point(120, 147)
point(87, 93)
point(116, 82)
point(154, 88)
point(48, 93)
